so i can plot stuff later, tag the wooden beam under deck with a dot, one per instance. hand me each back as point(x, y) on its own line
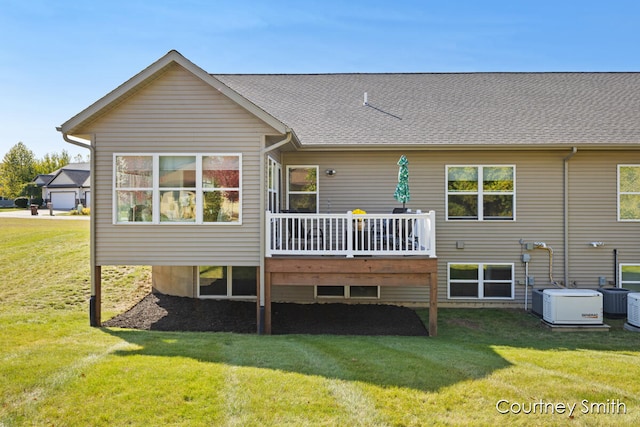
point(373, 271)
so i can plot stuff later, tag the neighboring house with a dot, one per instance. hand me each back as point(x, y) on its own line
point(66, 187)
point(241, 186)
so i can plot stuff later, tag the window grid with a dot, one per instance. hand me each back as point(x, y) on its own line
point(628, 193)
point(157, 190)
point(480, 281)
point(479, 192)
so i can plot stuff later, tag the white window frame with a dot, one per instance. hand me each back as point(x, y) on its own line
point(274, 183)
point(347, 293)
point(156, 189)
point(619, 193)
point(635, 283)
point(480, 193)
point(481, 281)
point(317, 192)
point(229, 294)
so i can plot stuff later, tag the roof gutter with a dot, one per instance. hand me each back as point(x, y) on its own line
point(94, 304)
point(279, 143)
point(565, 214)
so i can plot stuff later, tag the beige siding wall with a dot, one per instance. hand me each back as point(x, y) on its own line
point(593, 217)
point(178, 113)
point(367, 180)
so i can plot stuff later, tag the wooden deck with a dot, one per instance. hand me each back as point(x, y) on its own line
point(370, 271)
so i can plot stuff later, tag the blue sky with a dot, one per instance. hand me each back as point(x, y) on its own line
point(58, 57)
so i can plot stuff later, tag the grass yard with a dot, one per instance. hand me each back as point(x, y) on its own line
point(56, 370)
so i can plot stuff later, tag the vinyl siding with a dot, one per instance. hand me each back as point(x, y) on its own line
point(593, 217)
point(367, 180)
point(177, 113)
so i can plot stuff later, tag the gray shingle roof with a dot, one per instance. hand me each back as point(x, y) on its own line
point(451, 109)
point(69, 178)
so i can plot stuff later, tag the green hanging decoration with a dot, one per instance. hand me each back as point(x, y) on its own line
point(402, 189)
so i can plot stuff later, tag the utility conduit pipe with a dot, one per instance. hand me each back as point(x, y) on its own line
point(543, 245)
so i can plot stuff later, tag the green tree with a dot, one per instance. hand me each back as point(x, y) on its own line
point(18, 169)
point(52, 162)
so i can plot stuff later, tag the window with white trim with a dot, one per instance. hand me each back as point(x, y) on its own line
point(480, 281)
point(302, 188)
point(630, 277)
point(227, 281)
point(349, 292)
point(178, 188)
point(133, 198)
point(273, 184)
point(629, 192)
point(481, 193)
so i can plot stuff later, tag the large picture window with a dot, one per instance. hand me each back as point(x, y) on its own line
point(480, 193)
point(178, 188)
point(302, 188)
point(629, 192)
point(480, 281)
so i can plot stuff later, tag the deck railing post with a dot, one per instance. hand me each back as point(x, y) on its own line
point(349, 234)
point(432, 233)
point(269, 229)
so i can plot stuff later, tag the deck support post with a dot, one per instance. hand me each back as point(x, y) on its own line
point(95, 311)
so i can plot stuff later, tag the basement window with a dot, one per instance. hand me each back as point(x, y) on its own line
point(348, 292)
point(480, 281)
point(630, 277)
point(227, 282)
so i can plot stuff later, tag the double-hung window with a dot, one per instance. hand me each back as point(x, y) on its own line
point(480, 193)
point(178, 188)
point(302, 188)
point(480, 281)
point(629, 192)
point(133, 189)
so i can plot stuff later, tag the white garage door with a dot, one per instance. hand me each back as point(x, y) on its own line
point(63, 200)
point(87, 199)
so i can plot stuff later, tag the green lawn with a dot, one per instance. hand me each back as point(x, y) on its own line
point(56, 370)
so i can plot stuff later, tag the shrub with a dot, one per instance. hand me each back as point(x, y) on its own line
point(85, 211)
point(37, 201)
point(21, 202)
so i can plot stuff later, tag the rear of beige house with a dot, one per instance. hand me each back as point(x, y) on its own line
point(564, 194)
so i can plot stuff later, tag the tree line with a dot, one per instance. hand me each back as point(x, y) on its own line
point(20, 166)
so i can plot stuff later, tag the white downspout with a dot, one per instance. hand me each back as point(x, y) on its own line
point(92, 218)
point(263, 229)
point(565, 214)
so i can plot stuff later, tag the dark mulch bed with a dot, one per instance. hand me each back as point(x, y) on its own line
point(168, 313)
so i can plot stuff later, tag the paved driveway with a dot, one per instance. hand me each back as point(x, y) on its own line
point(42, 214)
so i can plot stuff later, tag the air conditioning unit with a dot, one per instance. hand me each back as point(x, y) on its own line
point(572, 307)
point(633, 309)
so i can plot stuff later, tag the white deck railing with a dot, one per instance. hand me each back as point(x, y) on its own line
point(351, 234)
